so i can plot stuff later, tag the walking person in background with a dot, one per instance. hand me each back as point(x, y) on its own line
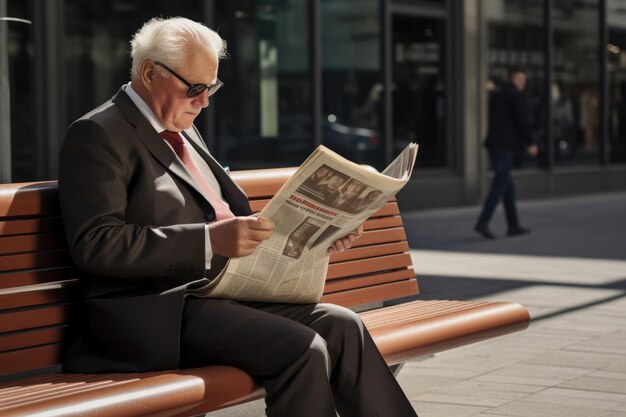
point(508, 136)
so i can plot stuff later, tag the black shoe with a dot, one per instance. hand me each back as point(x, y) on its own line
point(517, 231)
point(483, 229)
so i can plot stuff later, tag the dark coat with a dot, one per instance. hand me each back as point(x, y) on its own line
point(509, 120)
point(134, 220)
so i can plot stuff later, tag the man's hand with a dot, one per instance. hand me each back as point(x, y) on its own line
point(533, 150)
point(239, 236)
point(346, 242)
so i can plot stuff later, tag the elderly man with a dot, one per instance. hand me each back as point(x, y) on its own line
point(148, 211)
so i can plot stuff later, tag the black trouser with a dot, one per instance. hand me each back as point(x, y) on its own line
point(502, 187)
point(313, 359)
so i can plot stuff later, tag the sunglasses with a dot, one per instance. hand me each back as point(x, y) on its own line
point(195, 89)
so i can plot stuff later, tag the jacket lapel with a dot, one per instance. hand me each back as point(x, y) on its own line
point(152, 140)
point(159, 149)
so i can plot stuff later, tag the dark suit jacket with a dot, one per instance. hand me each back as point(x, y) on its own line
point(134, 220)
point(509, 120)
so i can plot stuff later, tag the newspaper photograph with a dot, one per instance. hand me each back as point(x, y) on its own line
point(326, 199)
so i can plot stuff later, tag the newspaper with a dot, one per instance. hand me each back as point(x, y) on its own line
point(327, 198)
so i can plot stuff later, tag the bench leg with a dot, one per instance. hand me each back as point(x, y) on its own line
point(395, 369)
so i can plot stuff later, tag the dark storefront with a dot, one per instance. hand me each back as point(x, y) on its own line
point(363, 77)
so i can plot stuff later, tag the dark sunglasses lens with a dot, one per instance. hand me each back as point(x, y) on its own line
point(214, 88)
point(195, 90)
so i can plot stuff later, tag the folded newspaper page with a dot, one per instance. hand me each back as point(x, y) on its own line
point(326, 199)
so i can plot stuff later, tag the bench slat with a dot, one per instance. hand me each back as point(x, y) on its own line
point(370, 251)
point(28, 319)
point(371, 237)
point(32, 243)
point(29, 199)
point(382, 223)
point(31, 358)
point(364, 266)
point(32, 338)
point(372, 294)
point(35, 298)
point(35, 277)
point(35, 260)
point(344, 284)
point(20, 227)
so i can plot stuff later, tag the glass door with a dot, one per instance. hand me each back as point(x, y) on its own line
point(419, 84)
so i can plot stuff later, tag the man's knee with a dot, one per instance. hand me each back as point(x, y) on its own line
point(317, 354)
point(340, 323)
point(343, 315)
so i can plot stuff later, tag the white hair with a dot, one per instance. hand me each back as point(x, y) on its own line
point(168, 40)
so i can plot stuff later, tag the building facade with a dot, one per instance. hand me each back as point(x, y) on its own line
point(363, 77)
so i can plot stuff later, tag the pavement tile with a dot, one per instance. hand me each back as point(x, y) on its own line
point(600, 384)
point(415, 383)
point(608, 374)
point(472, 384)
point(540, 339)
point(534, 409)
point(534, 374)
point(618, 365)
point(470, 396)
point(588, 325)
point(614, 342)
point(426, 409)
point(578, 398)
point(576, 359)
point(620, 407)
point(473, 364)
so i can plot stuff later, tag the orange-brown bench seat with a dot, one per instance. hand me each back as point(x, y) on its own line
point(38, 289)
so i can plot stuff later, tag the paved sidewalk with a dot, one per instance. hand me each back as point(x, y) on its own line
point(570, 272)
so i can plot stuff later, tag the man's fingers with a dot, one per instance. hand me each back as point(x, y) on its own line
point(258, 229)
point(259, 223)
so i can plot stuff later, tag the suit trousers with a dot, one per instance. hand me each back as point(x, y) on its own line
point(313, 359)
point(502, 187)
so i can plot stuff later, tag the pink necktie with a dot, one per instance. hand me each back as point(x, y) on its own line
point(222, 211)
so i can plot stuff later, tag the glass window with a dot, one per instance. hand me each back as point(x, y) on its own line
point(575, 100)
point(96, 45)
point(516, 39)
point(419, 94)
point(263, 113)
point(17, 131)
point(616, 78)
point(352, 82)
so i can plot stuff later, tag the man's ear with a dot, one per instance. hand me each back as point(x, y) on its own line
point(147, 73)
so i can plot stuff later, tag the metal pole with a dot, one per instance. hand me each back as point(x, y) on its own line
point(315, 63)
point(603, 127)
point(386, 57)
point(549, 74)
point(5, 99)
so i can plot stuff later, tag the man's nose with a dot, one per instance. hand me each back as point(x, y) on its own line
point(203, 99)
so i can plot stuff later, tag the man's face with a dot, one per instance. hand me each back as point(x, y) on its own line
point(519, 79)
point(168, 95)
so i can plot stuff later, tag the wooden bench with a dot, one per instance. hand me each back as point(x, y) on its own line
point(38, 293)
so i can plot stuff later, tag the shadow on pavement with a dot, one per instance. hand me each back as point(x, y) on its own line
point(593, 226)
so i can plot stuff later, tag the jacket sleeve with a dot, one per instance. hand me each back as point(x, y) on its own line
point(95, 176)
point(522, 118)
